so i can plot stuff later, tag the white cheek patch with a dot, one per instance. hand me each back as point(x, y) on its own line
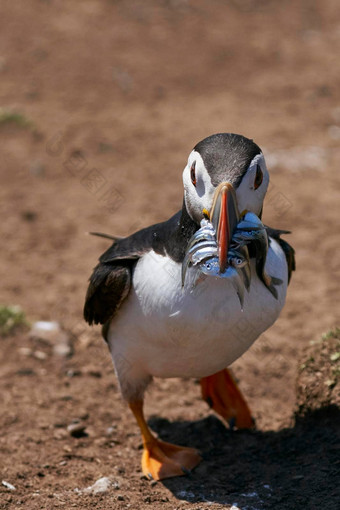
point(257, 161)
point(204, 186)
point(248, 197)
point(197, 197)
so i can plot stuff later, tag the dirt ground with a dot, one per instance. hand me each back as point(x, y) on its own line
point(101, 102)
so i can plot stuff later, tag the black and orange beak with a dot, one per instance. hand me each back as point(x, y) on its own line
point(224, 216)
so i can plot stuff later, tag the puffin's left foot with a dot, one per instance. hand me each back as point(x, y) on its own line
point(222, 394)
point(164, 460)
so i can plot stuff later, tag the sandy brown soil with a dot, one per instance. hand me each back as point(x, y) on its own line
point(115, 95)
point(319, 375)
point(288, 468)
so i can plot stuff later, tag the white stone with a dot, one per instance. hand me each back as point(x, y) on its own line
point(101, 485)
point(8, 485)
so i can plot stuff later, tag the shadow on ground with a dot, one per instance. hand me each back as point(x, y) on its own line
point(288, 469)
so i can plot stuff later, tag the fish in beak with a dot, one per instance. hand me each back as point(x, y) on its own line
point(224, 216)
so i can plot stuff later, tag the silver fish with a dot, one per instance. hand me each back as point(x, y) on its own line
point(202, 251)
point(211, 267)
point(250, 230)
point(238, 257)
point(201, 246)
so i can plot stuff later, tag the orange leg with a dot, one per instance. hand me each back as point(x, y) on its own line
point(221, 392)
point(162, 460)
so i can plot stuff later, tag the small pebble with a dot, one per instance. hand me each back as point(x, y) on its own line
point(101, 485)
point(52, 333)
point(73, 373)
point(110, 430)
point(77, 429)
point(40, 355)
point(63, 349)
point(8, 485)
point(45, 330)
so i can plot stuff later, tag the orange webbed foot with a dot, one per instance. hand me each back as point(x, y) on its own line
point(164, 460)
point(222, 394)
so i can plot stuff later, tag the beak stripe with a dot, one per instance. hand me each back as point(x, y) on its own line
point(223, 231)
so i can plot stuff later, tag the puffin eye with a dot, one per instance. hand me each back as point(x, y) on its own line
point(258, 177)
point(193, 173)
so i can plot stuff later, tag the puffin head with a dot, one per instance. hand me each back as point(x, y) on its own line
point(226, 176)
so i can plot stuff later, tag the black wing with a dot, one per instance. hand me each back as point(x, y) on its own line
point(111, 279)
point(109, 285)
point(288, 250)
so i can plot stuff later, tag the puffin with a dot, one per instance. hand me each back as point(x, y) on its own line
point(156, 325)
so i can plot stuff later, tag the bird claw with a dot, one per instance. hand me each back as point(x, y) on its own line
point(232, 423)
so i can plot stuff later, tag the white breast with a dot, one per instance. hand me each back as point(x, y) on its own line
point(166, 331)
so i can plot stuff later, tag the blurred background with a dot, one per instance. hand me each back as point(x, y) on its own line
point(101, 103)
